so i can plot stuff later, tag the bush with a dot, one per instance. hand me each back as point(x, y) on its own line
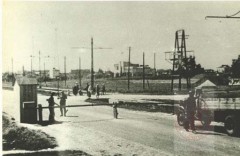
point(23, 138)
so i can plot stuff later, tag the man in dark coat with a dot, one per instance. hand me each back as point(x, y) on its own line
point(97, 91)
point(75, 89)
point(87, 89)
point(190, 109)
point(51, 108)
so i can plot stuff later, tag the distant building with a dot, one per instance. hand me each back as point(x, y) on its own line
point(223, 69)
point(55, 73)
point(163, 72)
point(134, 69)
point(42, 73)
point(209, 72)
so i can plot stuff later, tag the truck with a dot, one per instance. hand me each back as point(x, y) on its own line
point(219, 105)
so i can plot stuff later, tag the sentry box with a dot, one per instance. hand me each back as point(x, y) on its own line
point(26, 96)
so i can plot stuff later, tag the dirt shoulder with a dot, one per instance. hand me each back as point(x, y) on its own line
point(18, 137)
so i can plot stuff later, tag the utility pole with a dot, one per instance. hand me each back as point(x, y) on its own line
point(32, 55)
point(12, 74)
point(179, 60)
point(31, 64)
point(129, 67)
point(92, 71)
point(79, 72)
point(12, 66)
point(154, 64)
point(44, 72)
point(23, 71)
point(143, 71)
point(173, 69)
point(40, 64)
point(65, 70)
point(120, 68)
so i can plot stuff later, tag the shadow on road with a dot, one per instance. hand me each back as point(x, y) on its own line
point(71, 116)
point(211, 130)
point(46, 123)
point(100, 120)
point(52, 153)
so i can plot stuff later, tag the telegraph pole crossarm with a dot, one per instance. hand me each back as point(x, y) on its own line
point(231, 16)
point(92, 61)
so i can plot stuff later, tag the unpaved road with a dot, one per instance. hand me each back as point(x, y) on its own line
point(93, 130)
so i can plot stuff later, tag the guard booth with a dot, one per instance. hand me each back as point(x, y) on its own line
point(26, 94)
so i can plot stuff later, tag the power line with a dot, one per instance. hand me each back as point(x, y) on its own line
point(231, 16)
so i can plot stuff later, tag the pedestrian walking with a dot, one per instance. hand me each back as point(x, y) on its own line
point(97, 91)
point(63, 99)
point(103, 89)
point(115, 111)
point(190, 110)
point(51, 108)
point(86, 88)
point(89, 91)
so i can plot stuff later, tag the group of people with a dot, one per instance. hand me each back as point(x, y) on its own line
point(89, 89)
point(52, 103)
point(97, 89)
point(63, 98)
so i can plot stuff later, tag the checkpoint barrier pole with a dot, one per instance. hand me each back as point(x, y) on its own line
point(40, 112)
point(79, 105)
point(114, 105)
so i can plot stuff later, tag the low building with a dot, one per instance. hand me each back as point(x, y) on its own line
point(223, 69)
point(56, 73)
point(121, 69)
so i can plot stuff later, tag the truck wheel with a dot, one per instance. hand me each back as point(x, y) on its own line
point(231, 126)
point(180, 118)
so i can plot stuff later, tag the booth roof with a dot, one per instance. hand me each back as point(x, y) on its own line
point(206, 83)
point(26, 81)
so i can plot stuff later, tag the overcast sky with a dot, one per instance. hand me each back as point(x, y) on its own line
point(53, 28)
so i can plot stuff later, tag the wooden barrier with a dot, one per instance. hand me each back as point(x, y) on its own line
point(40, 108)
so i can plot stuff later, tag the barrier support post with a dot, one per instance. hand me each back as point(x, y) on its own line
point(40, 112)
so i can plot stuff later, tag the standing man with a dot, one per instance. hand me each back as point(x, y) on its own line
point(115, 111)
point(97, 91)
point(89, 91)
point(190, 109)
point(75, 89)
point(51, 108)
point(86, 88)
point(63, 103)
point(103, 89)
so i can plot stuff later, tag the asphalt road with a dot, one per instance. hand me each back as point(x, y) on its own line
point(95, 131)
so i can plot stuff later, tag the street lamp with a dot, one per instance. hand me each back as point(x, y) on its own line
point(58, 83)
point(45, 69)
point(31, 64)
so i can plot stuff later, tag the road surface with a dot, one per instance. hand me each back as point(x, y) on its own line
point(95, 131)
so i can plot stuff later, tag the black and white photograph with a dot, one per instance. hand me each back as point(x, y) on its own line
point(120, 78)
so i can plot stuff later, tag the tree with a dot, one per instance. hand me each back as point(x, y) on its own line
point(235, 68)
